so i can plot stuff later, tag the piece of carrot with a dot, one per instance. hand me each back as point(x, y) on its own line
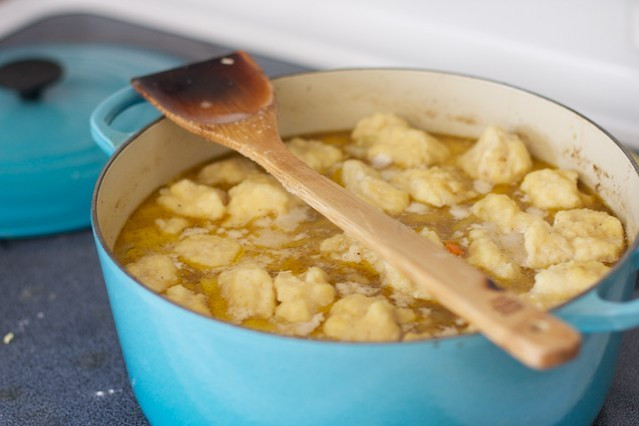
point(454, 248)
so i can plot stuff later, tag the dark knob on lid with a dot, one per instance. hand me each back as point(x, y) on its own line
point(29, 77)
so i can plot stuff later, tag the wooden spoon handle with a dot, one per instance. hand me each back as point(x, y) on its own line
point(535, 337)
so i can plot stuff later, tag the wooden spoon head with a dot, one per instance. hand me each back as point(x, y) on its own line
point(217, 91)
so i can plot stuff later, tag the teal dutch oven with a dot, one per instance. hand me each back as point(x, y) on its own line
point(186, 368)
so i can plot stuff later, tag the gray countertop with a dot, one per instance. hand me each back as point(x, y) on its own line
point(63, 365)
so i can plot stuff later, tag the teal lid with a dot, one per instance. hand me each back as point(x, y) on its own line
point(48, 160)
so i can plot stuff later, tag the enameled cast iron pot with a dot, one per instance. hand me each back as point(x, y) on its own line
point(189, 369)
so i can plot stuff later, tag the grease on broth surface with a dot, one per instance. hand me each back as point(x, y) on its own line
point(225, 240)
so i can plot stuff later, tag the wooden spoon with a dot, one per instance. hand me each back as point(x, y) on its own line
point(230, 101)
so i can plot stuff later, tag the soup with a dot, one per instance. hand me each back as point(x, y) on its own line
point(227, 241)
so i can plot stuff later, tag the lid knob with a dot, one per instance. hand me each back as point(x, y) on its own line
point(29, 77)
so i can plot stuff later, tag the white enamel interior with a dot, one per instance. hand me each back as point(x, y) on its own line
point(335, 100)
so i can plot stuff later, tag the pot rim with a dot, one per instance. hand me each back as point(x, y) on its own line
point(630, 249)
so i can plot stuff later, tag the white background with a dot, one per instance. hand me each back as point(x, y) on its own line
point(582, 53)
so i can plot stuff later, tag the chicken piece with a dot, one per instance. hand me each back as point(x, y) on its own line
point(497, 157)
point(487, 255)
point(553, 189)
point(156, 271)
point(563, 281)
point(257, 196)
point(189, 299)
point(362, 319)
point(248, 290)
point(208, 251)
point(594, 235)
point(389, 139)
point(193, 200)
point(317, 155)
point(366, 183)
point(302, 297)
point(230, 171)
point(437, 186)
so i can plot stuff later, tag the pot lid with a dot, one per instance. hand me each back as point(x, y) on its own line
point(48, 161)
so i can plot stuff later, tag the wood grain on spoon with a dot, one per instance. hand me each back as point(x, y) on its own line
point(229, 101)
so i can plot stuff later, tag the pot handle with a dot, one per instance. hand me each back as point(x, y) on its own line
point(592, 314)
point(108, 138)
